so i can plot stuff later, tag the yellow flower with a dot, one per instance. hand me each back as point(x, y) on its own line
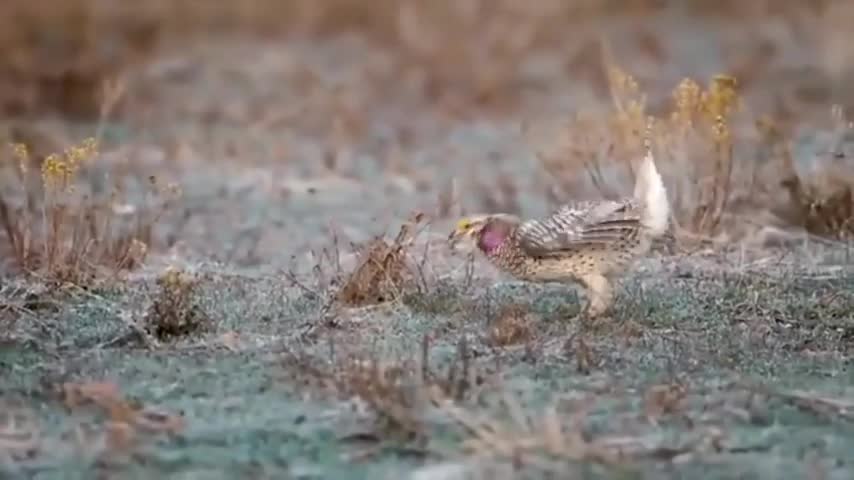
point(687, 98)
point(54, 171)
point(721, 98)
point(58, 171)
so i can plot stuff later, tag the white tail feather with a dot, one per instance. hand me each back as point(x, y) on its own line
point(650, 192)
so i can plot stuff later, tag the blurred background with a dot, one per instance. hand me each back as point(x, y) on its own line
point(57, 55)
point(311, 88)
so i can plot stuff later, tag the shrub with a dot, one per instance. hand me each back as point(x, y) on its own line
point(57, 230)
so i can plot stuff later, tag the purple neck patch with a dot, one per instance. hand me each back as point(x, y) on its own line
point(491, 237)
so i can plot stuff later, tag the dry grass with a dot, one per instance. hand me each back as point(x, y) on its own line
point(513, 325)
point(58, 58)
point(693, 137)
point(62, 58)
point(557, 442)
point(822, 204)
point(462, 56)
point(175, 311)
point(119, 409)
point(66, 73)
point(397, 391)
point(562, 437)
point(119, 427)
point(384, 270)
point(55, 228)
point(126, 427)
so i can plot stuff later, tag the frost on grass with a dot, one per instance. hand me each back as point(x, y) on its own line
point(626, 414)
point(401, 392)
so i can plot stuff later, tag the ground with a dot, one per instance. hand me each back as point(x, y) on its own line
point(725, 362)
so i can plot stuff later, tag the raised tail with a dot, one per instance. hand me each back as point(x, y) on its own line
point(651, 194)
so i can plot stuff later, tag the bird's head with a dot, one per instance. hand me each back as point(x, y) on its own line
point(487, 232)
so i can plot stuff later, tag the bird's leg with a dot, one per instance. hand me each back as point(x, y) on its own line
point(600, 292)
point(600, 297)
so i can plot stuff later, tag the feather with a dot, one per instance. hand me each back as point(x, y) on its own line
point(579, 225)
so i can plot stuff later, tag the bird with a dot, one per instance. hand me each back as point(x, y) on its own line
point(586, 242)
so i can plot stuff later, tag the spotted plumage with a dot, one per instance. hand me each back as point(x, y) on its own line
point(586, 242)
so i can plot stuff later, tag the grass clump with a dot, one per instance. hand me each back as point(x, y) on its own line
point(107, 397)
point(513, 325)
point(380, 273)
point(397, 390)
point(122, 427)
point(175, 312)
point(108, 428)
point(57, 229)
point(383, 272)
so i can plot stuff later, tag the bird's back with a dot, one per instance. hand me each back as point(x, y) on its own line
point(593, 237)
point(576, 240)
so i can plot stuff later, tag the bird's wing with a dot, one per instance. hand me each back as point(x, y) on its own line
point(579, 225)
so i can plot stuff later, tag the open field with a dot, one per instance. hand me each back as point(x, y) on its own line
point(224, 240)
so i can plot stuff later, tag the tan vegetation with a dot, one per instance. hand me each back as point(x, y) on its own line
point(468, 52)
point(55, 227)
point(396, 391)
point(513, 325)
point(696, 140)
point(470, 55)
point(117, 428)
point(383, 269)
point(175, 311)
